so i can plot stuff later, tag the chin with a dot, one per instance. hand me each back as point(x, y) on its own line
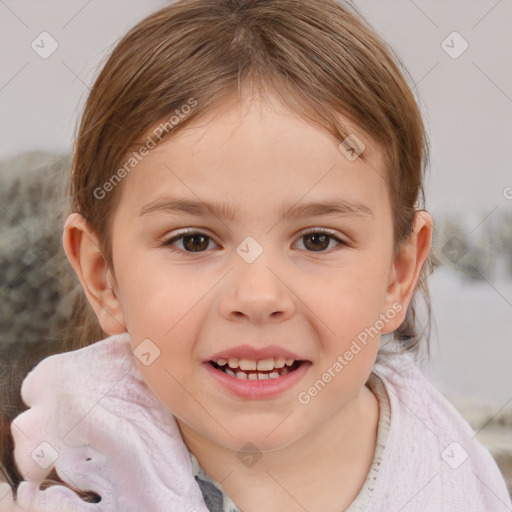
point(262, 438)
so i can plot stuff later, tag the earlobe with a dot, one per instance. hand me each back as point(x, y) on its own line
point(406, 268)
point(83, 252)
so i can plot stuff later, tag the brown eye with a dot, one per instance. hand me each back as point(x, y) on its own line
point(191, 242)
point(195, 243)
point(319, 241)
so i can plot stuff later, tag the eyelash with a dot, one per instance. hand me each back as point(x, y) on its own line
point(168, 243)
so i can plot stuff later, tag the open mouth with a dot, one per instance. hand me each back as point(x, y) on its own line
point(256, 370)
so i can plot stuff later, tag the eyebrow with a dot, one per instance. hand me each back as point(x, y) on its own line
point(228, 211)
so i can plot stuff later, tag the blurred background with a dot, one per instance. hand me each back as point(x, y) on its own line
point(458, 54)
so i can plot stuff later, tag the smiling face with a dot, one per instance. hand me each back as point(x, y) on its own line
point(257, 284)
point(295, 265)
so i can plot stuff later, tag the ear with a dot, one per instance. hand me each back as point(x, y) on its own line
point(406, 268)
point(82, 250)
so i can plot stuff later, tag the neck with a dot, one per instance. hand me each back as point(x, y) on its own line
point(323, 470)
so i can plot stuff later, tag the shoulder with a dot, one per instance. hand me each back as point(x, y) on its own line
point(432, 459)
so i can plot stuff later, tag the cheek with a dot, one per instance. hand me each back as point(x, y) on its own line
point(156, 298)
point(347, 319)
point(163, 305)
point(173, 364)
point(352, 298)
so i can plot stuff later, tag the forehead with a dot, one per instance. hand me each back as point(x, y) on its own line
point(254, 154)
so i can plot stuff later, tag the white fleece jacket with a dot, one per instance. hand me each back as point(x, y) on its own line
point(94, 420)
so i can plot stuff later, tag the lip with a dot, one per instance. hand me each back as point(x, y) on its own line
point(248, 352)
point(257, 389)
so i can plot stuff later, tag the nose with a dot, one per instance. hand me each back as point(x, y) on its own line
point(256, 293)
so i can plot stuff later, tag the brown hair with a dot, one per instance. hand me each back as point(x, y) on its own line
point(321, 58)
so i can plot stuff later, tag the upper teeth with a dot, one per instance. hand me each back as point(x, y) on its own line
point(252, 364)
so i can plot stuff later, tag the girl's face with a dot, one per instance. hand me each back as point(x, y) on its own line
point(250, 235)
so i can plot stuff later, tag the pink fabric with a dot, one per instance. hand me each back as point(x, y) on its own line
point(432, 460)
point(91, 411)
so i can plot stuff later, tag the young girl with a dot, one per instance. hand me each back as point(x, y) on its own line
point(246, 226)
